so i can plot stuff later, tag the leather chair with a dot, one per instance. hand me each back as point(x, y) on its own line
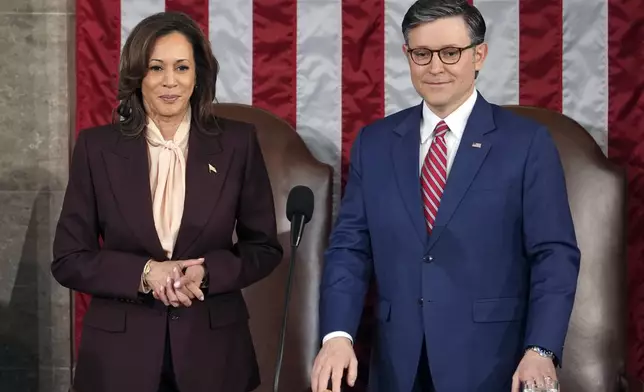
point(594, 352)
point(289, 163)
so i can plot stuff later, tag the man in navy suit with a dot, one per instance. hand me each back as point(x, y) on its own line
point(458, 208)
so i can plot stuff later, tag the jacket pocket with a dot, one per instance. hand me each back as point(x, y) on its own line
point(105, 315)
point(498, 310)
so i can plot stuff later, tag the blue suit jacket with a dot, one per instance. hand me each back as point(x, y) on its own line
point(498, 273)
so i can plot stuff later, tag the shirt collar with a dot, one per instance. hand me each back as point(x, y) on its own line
point(456, 121)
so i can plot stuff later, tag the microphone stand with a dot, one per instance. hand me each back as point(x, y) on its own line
point(295, 242)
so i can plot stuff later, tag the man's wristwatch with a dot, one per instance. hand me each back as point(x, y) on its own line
point(542, 352)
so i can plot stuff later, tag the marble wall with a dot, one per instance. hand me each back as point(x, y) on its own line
point(36, 99)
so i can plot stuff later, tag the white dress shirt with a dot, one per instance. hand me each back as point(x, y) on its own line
point(456, 122)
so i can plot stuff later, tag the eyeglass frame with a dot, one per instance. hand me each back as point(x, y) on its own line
point(431, 53)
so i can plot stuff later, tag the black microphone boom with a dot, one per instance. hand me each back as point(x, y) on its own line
point(299, 210)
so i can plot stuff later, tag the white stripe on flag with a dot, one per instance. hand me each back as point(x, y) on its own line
point(498, 82)
point(134, 11)
point(399, 92)
point(230, 27)
point(585, 66)
point(319, 82)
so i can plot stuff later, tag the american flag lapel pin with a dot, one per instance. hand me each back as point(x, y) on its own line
point(211, 168)
point(476, 145)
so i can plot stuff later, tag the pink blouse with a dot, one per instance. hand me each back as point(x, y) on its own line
point(167, 159)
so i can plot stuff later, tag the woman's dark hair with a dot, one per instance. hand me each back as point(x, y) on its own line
point(130, 113)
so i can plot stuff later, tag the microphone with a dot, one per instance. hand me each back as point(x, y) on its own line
point(299, 209)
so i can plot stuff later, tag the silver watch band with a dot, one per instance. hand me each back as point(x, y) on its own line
point(542, 352)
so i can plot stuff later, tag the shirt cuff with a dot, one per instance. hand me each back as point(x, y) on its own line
point(337, 334)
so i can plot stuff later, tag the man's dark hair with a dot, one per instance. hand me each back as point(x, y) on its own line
point(424, 11)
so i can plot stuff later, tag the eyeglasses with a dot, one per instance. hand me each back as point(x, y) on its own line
point(449, 56)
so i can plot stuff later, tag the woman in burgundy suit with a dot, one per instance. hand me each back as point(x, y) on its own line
point(164, 187)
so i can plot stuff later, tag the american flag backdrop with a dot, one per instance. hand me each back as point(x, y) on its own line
point(331, 66)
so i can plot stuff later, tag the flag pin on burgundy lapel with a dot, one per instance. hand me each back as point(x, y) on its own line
point(211, 168)
point(476, 145)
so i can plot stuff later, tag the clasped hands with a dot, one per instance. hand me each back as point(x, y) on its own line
point(176, 282)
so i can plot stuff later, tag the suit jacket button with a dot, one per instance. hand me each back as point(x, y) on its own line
point(428, 259)
point(420, 301)
point(174, 317)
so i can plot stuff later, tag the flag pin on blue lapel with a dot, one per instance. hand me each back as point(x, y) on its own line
point(476, 145)
point(211, 168)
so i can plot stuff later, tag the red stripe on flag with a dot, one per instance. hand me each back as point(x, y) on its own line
point(363, 101)
point(197, 9)
point(274, 57)
point(626, 147)
point(98, 46)
point(363, 69)
point(541, 53)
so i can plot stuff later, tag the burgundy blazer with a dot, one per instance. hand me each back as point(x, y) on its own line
point(108, 196)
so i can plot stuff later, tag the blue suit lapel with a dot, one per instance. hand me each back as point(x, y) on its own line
point(405, 156)
point(466, 164)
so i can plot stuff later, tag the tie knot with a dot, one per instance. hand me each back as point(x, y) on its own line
point(169, 144)
point(158, 141)
point(441, 129)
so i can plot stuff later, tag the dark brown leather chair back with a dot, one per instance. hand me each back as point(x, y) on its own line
point(594, 352)
point(289, 163)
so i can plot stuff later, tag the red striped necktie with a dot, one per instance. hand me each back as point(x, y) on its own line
point(434, 175)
